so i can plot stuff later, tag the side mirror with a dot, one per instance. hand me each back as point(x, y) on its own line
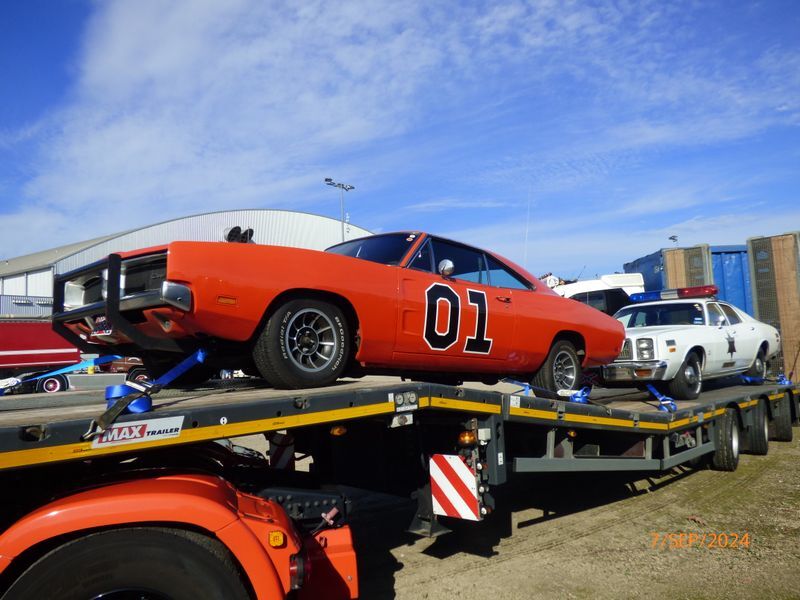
point(446, 267)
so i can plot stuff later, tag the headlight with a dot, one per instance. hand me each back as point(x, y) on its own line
point(644, 348)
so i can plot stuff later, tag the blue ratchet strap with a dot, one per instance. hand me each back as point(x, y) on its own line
point(783, 380)
point(526, 387)
point(143, 402)
point(122, 398)
point(581, 396)
point(94, 362)
point(666, 404)
point(746, 379)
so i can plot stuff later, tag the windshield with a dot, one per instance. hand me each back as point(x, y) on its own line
point(661, 314)
point(386, 249)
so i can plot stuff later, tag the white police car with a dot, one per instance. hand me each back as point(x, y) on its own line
point(684, 336)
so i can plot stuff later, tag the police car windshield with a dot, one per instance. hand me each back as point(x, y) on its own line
point(386, 249)
point(683, 313)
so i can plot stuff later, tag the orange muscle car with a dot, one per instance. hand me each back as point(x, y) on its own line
point(405, 303)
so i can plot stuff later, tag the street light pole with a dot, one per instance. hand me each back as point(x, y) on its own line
point(343, 187)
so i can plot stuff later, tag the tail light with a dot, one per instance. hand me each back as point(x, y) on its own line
point(299, 569)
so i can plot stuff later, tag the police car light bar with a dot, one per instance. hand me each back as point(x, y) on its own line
point(700, 291)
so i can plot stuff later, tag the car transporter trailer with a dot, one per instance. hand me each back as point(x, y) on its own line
point(100, 505)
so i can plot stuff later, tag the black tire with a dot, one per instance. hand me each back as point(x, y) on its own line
point(726, 441)
point(52, 384)
point(688, 383)
point(759, 366)
point(783, 420)
point(157, 563)
point(758, 432)
point(561, 369)
point(304, 344)
point(137, 374)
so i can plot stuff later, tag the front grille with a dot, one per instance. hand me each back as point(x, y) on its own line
point(627, 353)
point(145, 276)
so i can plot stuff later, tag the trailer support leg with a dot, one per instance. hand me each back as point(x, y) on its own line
point(425, 523)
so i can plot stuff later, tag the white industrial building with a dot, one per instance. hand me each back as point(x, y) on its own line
point(32, 275)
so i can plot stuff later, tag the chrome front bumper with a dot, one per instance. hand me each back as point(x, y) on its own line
point(646, 370)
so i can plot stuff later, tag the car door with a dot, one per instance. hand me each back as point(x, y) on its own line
point(720, 342)
point(457, 322)
point(746, 337)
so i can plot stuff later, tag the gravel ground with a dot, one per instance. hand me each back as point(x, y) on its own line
point(593, 536)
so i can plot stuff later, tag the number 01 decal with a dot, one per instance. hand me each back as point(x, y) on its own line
point(440, 296)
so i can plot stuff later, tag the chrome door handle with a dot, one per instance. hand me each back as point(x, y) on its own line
point(505, 299)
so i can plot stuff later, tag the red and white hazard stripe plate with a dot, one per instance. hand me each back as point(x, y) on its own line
point(454, 488)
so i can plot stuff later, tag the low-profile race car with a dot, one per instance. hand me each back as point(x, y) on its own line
point(679, 338)
point(403, 303)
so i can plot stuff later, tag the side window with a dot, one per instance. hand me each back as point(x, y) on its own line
point(422, 261)
point(715, 315)
point(469, 263)
point(733, 318)
point(597, 300)
point(501, 276)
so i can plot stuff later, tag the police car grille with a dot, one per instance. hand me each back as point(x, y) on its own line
point(626, 353)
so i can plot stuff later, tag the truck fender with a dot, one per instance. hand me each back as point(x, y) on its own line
point(200, 501)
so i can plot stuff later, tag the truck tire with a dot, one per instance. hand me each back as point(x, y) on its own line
point(305, 343)
point(758, 432)
point(139, 562)
point(688, 383)
point(783, 421)
point(52, 384)
point(726, 441)
point(561, 369)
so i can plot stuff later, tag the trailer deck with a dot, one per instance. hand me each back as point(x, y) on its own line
point(48, 428)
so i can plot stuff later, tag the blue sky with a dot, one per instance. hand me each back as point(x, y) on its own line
point(617, 123)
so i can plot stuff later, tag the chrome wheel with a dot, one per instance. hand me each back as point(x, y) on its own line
point(693, 376)
point(565, 371)
point(310, 340)
point(760, 366)
point(735, 440)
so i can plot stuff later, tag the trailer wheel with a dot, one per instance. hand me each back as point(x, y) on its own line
point(141, 563)
point(52, 384)
point(758, 433)
point(726, 441)
point(783, 421)
point(561, 369)
point(305, 343)
point(689, 381)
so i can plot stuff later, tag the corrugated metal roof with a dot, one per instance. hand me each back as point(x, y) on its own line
point(46, 258)
point(270, 226)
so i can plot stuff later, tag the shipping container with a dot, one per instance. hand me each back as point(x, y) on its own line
point(727, 267)
point(775, 273)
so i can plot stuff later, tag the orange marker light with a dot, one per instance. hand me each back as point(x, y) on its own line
point(277, 539)
point(467, 438)
point(338, 430)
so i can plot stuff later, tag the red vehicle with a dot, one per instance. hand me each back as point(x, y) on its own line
point(405, 303)
point(31, 346)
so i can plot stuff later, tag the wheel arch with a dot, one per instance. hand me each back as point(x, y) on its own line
point(343, 303)
point(701, 354)
point(203, 504)
point(575, 338)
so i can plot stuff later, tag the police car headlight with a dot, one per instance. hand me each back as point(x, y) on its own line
point(644, 348)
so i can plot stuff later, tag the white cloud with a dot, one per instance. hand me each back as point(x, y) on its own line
point(186, 106)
